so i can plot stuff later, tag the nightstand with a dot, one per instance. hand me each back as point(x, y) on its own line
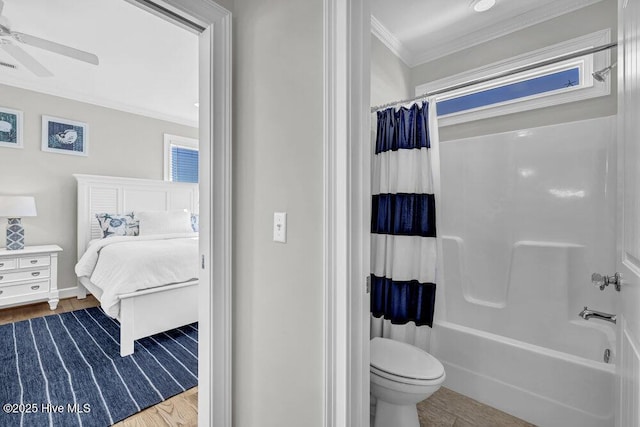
point(29, 275)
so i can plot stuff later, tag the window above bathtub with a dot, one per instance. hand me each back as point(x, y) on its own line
point(555, 84)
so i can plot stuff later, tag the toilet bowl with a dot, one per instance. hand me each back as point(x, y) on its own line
point(401, 375)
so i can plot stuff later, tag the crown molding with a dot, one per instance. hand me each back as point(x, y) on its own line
point(95, 100)
point(525, 20)
point(390, 41)
point(533, 17)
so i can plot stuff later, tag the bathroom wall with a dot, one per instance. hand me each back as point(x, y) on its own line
point(592, 18)
point(390, 77)
point(278, 167)
point(119, 144)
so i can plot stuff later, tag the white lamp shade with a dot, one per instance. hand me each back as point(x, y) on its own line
point(17, 206)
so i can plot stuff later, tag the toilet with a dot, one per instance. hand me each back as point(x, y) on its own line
point(401, 375)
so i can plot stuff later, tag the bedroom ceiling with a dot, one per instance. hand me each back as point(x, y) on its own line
point(147, 65)
point(419, 31)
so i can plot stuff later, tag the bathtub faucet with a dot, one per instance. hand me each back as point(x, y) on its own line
point(587, 314)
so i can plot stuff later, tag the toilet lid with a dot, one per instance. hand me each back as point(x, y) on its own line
point(404, 360)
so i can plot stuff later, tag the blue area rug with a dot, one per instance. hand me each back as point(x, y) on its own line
point(66, 370)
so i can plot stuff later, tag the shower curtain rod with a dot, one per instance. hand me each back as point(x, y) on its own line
point(521, 69)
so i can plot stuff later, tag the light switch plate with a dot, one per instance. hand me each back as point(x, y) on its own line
point(280, 227)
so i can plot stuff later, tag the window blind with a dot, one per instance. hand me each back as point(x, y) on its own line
point(184, 164)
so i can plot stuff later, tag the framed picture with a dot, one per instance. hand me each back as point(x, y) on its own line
point(64, 136)
point(10, 128)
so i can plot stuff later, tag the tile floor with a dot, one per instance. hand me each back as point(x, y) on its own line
point(446, 408)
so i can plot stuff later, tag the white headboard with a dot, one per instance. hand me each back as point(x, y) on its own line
point(110, 194)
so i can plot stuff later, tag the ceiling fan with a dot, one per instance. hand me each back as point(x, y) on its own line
point(9, 37)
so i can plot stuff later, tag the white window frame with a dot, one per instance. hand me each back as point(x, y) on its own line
point(588, 88)
point(176, 141)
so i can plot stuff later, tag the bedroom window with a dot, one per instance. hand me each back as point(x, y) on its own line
point(180, 159)
point(545, 86)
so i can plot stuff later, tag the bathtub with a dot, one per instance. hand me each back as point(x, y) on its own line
point(525, 351)
point(526, 217)
point(545, 387)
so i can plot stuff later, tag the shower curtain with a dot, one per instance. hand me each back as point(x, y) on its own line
point(404, 244)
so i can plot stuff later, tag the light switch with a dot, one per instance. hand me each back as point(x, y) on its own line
point(280, 227)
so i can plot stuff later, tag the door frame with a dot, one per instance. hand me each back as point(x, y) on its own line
point(215, 308)
point(627, 394)
point(347, 150)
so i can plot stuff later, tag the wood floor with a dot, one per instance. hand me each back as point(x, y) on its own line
point(179, 410)
point(444, 408)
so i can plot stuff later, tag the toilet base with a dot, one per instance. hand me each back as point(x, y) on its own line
point(390, 415)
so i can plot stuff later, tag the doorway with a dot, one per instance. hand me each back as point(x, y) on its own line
point(213, 24)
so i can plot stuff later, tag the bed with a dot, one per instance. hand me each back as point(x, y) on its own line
point(158, 306)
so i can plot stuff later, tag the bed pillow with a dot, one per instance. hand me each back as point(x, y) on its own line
point(163, 222)
point(195, 222)
point(118, 224)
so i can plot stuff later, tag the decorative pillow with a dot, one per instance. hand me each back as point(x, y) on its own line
point(118, 224)
point(195, 222)
point(163, 222)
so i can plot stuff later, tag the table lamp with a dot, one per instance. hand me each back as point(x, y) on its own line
point(13, 208)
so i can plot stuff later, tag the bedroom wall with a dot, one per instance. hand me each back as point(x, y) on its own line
point(587, 20)
point(277, 164)
point(120, 144)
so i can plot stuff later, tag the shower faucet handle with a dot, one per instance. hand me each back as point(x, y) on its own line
point(602, 282)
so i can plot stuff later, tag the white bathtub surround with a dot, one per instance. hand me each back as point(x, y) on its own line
point(541, 307)
point(527, 216)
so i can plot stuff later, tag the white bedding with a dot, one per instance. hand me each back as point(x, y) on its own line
point(120, 265)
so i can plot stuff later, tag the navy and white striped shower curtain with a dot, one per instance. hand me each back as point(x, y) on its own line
point(404, 247)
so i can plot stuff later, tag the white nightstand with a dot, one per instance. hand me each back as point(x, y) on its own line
point(29, 275)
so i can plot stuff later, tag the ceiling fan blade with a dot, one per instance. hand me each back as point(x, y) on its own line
point(55, 47)
point(1, 6)
point(27, 60)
